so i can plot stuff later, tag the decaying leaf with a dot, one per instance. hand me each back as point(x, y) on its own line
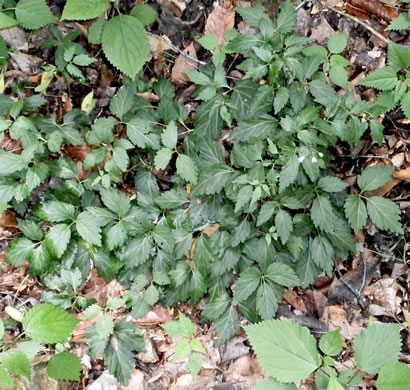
point(222, 18)
point(183, 64)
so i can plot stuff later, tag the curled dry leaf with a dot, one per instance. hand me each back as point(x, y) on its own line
point(366, 8)
point(222, 18)
point(403, 174)
point(182, 64)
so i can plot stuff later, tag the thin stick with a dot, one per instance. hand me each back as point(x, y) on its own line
point(173, 47)
point(365, 25)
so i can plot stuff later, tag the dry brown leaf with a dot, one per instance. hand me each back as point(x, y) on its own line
point(8, 220)
point(157, 315)
point(383, 294)
point(337, 319)
point(183, 64)
point(403, 174)
point(158, 46)
point(211, 229)
point(222, 18)
point(384, 189)
point(294, 300)
point(79, 332)
point(244, 372)
point(136, 382)
point(76, 152)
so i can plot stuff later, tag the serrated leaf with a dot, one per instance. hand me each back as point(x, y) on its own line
point(281, 98)
point(55, 211)
point(88, 228)
point(58, 238)
point(398, 55)
point(270, 384)
point(48, 324)
point(208, 41)
point(84, 9)
point(286, 18)
point(104, 326)
point(95, 32)
point(151, 295)
point(5, 379)
point(393, 376)
point(356, 212)
point(405, 104)
point(91, 312)
point(267, 301)
point(284, 225)
point(162, 158)
point(116, 201)
point(195, 364)
point(144, 13)
point(289, 173)
point(331, 184)
point(6, 21)
point(33, 14)
point(228, 324)
point(322, 213)
point(171, 199)
point(331, 343)
point(246, 284)
point(402, 22)
point(212, 179)
point(384, 213)
point(169, 136)
point(337, 43)
point(182, 349)
point(187, 169)
point(339, 76)
point(17, 363)
point(322, 253)
point(10, 162)
point(284, 349)
point(125, 44)
point(377, 345)
point(282, 274)
point(64, 366)
point(19, 251)
point(384, 79)
point(375, 177)
point(255, 129)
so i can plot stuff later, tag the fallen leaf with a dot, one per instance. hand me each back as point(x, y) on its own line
point(222, 18)
point(322, 32)
point(136, 382)
point(384, 189)
point(159, 44)
point(294, 300)
point(373, 7)
point(403, 174)
point(157, 315)
point(183, 64)
point(244, 372)
point(383, 293)
point(337, 319)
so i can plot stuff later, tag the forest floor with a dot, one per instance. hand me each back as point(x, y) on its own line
point(378, 275)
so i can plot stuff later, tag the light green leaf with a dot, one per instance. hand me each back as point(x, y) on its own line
point(195, 364)
point(120, 157)
point(331, 343)
point(377, 345)
point(322, 213)
point(393, 376)
point(198, 77)
point(337, 43)
point(104, 326)
point(212, 179)
point(171, 199)
point(246, 284)
point(384, 79)
point(58, 238)
point(398, 55)
point(162, 158)
point(331, 184)
point(17, 363)
point(7, 21)
point(144, 13)
point(11, 162)
point(334, 384)
point(64, 366)
point(400, 23)
point(375, 177)
point(339, 76)
point(48, 324)
point(55, 211)
point(95, 32)
point(187, 169)
point(286, 18)
point(272, 384)
point(151, 295)
point(281, 98)
point(384, 213)
point(208, 41)
point(282, 274)
point(6, 381)
point(169, 136)
point(88, 228)
point(284, 225)
point(1, 329)
point(405, 104)
point(377, 131)
point(125, 44)
point(19, 251)
point(267, 301)
point(182, 349)
point(284, 349)
point(33, 14)
point(356, 213)
point(116, 201)
point(84, 9)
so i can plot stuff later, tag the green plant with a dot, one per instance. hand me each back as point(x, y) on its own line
point(42, 324)
point(392, 80)
point(402, 22)
point(288, 352)
point(123, 37)
point(189, 346)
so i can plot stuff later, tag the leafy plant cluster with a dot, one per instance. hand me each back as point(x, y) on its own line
point(232, 204)
point(402, 22)
point(123, 37)
point(289, 353)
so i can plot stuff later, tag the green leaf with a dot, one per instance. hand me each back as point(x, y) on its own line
point(377, 131)
point(116, 201)
point(334, 384)
point(398, 55)
point(337, 43)
point(213, 179)
point(125, 44)
point(384, 213)
point(7, 21)
point(137, 251)
point(33, 14)
point(6, 381)
point(384, 79)
point(182, 327)
point(331, 184)
point(48, 324)
point(169, 136)
point(322, 213)
point(84, 9)
point(10, 163)
point(208, 41)
point(64, 366)
point(162, 158)
point(258, 128)
point(228, 324)
point(104, 326)
point(281, 98)
point(377, 345)
point(171, 199)
point(286, 18)
point(400, 23)
point(88, 228)
point(289, 173)
point(144, 13)
point(339, 76)
point(95, 32)
point(195, 364)
point(1, 329)
point(284, 225)
point(55, 211)
point(375, 177)
point(284, 349)
point(19, 251)
point(17, 363)
point(120, 158)
point(246, 284)
point(137, 130)
point(215, 308)
point(151, 295)
point(322, 253)
point(393, 376)
point(182, 349)
point(58, 238)
point(405, 104)
point(331, 343)
point(355, 211)
point(187, 169)
point(267, 301)
point(282, 274)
